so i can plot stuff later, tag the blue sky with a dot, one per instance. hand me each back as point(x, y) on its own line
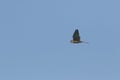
point(35, 40)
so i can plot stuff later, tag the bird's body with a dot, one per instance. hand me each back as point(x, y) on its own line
point(76, 37)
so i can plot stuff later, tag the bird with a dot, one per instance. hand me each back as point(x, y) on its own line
point(76, 37)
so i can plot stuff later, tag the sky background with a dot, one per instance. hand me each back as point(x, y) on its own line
point(35, 40)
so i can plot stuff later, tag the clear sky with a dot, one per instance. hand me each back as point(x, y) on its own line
point(35, 40)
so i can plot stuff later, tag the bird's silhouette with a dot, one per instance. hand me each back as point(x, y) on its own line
point(76, 37)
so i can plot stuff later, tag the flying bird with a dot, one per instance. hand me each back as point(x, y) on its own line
point(76, 37)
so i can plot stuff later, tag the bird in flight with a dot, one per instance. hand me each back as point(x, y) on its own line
point(76, 37)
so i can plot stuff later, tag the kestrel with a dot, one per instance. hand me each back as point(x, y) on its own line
point(76, 37)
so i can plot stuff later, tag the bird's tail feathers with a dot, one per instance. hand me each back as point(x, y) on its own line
point(84, 42)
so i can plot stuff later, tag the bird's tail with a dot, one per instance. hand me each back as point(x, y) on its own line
point(84, 42)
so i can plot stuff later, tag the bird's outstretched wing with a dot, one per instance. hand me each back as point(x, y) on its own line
point(76, 36)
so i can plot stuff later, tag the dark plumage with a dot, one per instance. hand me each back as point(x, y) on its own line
point(76, 37)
